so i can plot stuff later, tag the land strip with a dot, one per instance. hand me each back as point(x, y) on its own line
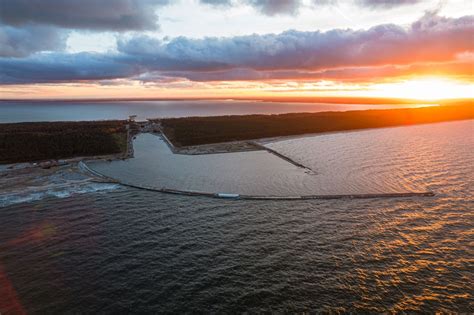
point(196, 131)
point(39, 141)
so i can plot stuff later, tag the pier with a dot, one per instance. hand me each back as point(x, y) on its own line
point(281, 156)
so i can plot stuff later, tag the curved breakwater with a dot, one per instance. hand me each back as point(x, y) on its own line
point(83, 166)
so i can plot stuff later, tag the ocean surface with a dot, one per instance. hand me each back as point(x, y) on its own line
point(14, 111)
point(112, 249)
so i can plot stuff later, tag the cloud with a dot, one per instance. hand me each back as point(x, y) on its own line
point(267, 7)
point(111, 15)
point(61, 67)
point(21, 42)
point(457, 69)
point(29, 26)
point(222, 3)
point(274, 7)
point(291, 7)
point(431, 39)
point(180, 53)
point(385, 4)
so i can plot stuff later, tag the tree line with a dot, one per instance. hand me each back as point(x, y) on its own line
point(21, 142)
point(206, 130)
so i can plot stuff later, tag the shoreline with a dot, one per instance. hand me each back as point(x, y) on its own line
point(258, 143)
point(196, 131)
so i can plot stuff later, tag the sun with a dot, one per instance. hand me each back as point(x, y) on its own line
point(425, 89)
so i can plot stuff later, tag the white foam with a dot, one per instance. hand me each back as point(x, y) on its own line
point(60, 192)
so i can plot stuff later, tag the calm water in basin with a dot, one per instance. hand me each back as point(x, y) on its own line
point(250, 173)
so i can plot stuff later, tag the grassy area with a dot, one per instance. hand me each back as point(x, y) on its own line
point(22, 142)
point(206, 130)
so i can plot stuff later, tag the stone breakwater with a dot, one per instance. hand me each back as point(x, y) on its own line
point(281, 156)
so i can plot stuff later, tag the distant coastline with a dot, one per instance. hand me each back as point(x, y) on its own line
point(298, 99)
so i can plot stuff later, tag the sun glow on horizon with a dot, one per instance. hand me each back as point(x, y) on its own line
point(417, 88)
point(432, 88)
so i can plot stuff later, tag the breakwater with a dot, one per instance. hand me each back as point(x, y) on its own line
point(225, 195)
point(281, 156)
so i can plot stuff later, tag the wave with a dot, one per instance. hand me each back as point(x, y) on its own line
point(48, 191)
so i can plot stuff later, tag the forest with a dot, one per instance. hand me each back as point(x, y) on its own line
point(35, 141)
point(206, 130)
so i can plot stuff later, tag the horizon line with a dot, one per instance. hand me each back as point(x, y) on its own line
point(292, 99)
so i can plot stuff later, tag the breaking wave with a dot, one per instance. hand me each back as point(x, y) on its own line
point(54, 191)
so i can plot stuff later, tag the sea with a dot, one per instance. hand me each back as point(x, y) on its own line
point(70, 245)
point(23, 111)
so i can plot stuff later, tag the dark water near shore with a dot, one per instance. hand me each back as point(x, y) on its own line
point(127, 250)
point(11, 111)
point(145, 252)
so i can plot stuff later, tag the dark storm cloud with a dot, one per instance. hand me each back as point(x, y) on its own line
point(430, 39)
point(112, 15)
point(60, 67)
point(29, 26)
point(21, 42)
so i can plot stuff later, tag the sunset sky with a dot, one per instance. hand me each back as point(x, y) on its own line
point(229, 48)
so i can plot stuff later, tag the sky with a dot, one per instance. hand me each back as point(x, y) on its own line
point(236, 48)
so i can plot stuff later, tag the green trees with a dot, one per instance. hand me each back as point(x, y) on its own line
point(23, 142)
point(204, 130)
